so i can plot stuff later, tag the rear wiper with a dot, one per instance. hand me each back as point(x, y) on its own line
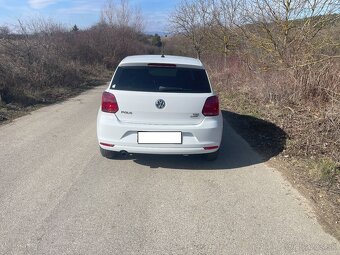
point(161, 88)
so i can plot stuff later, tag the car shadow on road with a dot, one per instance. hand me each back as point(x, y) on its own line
point(267, 140)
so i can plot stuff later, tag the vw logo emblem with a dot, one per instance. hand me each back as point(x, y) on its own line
point(160, 103)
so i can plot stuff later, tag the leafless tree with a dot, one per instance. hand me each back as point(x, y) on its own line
point(290, 33)
point(121, 14)
point(285, 33)
point(193, 20)
point(4, 31)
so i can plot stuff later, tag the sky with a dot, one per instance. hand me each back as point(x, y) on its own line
point(83, 13)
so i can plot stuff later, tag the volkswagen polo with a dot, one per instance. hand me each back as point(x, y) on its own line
point(160, 105)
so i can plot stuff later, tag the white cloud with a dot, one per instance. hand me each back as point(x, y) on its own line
point(82, 9)
point(39, 4)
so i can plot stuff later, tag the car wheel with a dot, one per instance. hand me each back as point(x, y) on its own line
point(211, 156)
point(107, 154)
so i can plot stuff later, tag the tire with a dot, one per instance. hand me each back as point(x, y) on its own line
point(107, 154)
point(211, 156)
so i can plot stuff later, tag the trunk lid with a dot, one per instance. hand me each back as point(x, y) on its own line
point(160, 94)
point(179, 109)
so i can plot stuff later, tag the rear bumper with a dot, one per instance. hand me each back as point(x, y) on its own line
point(124, 136)
point(159, 151)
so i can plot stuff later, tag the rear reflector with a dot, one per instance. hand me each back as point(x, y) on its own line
point(161, 65)
point(109, 103)
point(211, 148)
point(107, 144)
point(211, 107)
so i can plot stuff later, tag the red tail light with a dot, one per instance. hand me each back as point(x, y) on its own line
point(210, 148)
point(109, 103)
point(107, 144)
point(211, 107)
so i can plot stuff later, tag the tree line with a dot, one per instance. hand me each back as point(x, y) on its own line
point(41, 58)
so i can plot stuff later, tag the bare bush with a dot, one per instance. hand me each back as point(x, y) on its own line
point(283, 57)
point(4, 31)
point(299, 38)
point(44, 59)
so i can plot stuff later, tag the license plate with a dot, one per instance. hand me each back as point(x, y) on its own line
point(159, 137)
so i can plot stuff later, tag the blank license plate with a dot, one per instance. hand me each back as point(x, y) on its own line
point(159, 137)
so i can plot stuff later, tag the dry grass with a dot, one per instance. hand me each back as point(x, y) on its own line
point(305, 103)
point(307, 110)
point(309, 154)
point(44, 62)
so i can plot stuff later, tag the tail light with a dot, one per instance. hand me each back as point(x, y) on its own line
point(210, 148)
point(211, 107)
point(109, 103)
point(107, 144)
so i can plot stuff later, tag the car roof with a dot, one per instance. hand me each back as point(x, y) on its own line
point(142, 60)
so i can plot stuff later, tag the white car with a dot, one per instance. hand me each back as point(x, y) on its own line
point(160, 105)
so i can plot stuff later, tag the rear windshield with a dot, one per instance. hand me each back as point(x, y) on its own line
point(161, 79)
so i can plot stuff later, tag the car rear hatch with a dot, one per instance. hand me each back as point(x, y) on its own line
point(160, 94)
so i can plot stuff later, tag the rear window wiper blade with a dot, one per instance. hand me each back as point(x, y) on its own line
point(161, 88)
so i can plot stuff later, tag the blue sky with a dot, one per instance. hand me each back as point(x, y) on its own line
point(81, 12)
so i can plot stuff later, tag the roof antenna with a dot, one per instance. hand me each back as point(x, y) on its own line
point(163, 46)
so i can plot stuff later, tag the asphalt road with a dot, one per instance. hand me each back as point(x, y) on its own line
point(59, 196)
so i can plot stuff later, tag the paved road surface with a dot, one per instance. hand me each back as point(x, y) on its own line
point(59, 196)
